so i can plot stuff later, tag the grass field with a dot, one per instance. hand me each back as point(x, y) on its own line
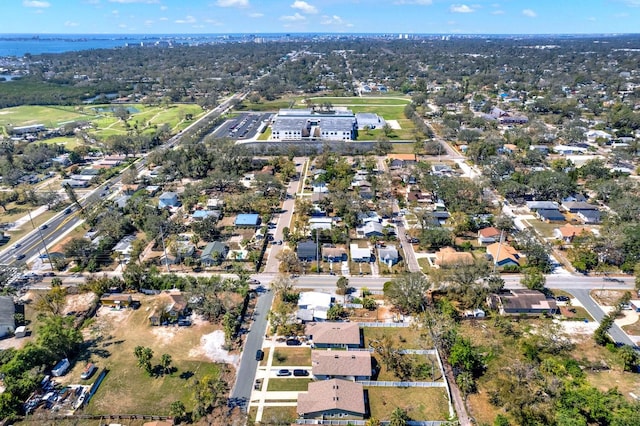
point(110, 340)
point(420, 403)
point(288, 385)
point(355, 100)
point(406, 337)
point(69, 142)
point(50, 116)
point(105, 123)
point(291, 356)
point(279, 415)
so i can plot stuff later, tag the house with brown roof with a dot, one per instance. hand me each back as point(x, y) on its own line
point(332, 399)
point(503, 254)
point(448, 257)
point(334, 254)
point(568, 232)
point(334, 334)
point(488, 235)
point(174, 306)
point(522, 302)
point(347, 365)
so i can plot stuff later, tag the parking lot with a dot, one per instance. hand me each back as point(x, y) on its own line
point(244, 126)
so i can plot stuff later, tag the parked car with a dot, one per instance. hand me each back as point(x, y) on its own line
point(293, 342)
point(258, 384)
point(259, 355)
point(254, 282)
point(283, 372)
point(562, 298)
point(300, 373)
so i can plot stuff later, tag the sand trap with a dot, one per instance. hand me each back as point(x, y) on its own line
point(211, 346)
point(393, 124)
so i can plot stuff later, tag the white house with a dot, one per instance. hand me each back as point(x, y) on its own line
point(359, 254)
point(313, 306)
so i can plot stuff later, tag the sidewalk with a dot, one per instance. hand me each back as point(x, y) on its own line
point(25, 219)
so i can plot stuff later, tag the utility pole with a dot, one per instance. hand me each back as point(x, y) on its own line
point(164, 250)
point(44, 245)
point(495, 261)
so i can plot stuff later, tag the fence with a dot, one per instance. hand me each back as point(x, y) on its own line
point(364, 422)
point(384, 324)
point(382, 384)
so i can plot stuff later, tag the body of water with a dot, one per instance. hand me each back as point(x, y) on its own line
point(19, 45)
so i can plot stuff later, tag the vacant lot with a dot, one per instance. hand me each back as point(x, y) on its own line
point(401, 337)
point(288, 385)
point(294, 357)
point(420, 403)
point(111, 338)
point(355, 100)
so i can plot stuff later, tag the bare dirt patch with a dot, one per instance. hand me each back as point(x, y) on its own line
point(79, 302)
point(211, 346)
point(607, 297)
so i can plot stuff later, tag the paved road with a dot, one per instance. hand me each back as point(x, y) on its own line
point(241, 392)
point(33, 243)
point(615, 332)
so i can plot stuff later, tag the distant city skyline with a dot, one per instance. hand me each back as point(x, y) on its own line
point(322, 16)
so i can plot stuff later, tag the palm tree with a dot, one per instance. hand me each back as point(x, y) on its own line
point(398, 417)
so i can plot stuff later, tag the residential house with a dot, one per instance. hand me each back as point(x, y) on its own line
point(247, 220)
point(332, 399)
point(121, 202)
point(448, 257)
point(371, 229)
point(550, 215)
point(359, 254)
point(522, 302)
point(204, 214)
point(488, 235)
point(313, 306)
point(589, 216)
point(568, 232)
point(116, 300)
point(576, 206)
point(399, 161)
point(388, 255)
point(334, 334)
point(441, 170)
point(307, 250)
point(168, 200)
point(7, 316)
point(334, 254)
point(323, 223)
point(214, 253)
point(534, 206)
point(347, 365)
point(124, 248)
point(503, 254)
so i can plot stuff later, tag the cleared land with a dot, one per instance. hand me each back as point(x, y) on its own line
point(420, 403)
point(291, 357)
point(356, 100)
point(110, 341)
point(288, 385)
point(404, 337)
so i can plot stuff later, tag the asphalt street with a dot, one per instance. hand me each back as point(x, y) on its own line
point(241, 391)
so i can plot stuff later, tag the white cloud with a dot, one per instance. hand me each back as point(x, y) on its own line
point(135, 1)
point(418, 2)
point(35, 3)
point(293, 18)
point(71, 24)
point(233, 3)
point(530, 13)
point(148, 22)
point(163, 8)
point(334, 20)
point(256, 15)
point(164, 18)
point(632, 3)
point(498, 12)
point(187, 20)
point(115, 12)
point(213, 22)
point(304, 7)
point(460, 8)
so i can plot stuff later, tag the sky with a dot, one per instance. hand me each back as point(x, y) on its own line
point(323, 16)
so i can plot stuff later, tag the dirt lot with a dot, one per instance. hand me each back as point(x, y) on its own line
point(607, 297)
point(111, 338)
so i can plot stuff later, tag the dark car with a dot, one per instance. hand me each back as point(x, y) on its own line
point(283, 373)
point(67, 211)
point(258, 384)
point(562, 298)
point(300, 373)
point(45, 226)
point(259, 355)
point(293, 342)
point(19, 256)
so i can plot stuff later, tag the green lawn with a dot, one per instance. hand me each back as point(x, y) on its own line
point(158, 392)
point(265, 135)
point(69, 142)
point(49, 116)
point(356, 100)
point(386, 111)
point(292, 356)
point(288, 385)
point(420, 403)
point(279, 415)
